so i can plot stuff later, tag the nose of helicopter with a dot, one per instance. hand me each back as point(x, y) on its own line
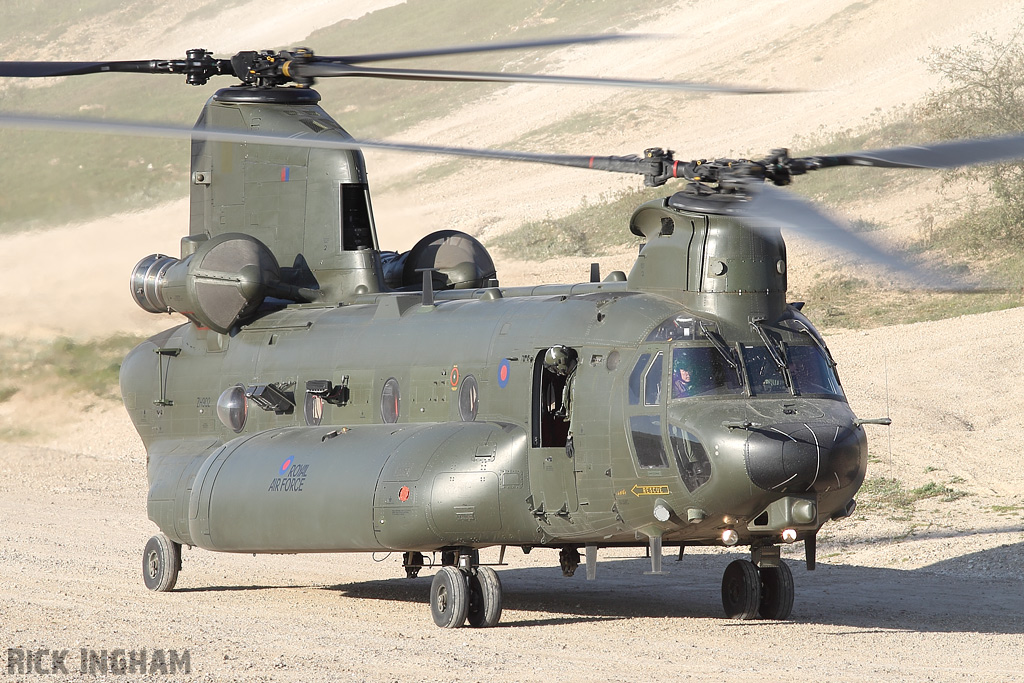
point(799, 457)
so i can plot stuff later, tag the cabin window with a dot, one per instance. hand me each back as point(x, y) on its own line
point(390, 402)
point(313, 409)
point(232, 408)
point(469, 399)
point(702, 371)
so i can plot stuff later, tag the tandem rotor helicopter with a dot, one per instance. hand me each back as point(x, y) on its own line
point(328, 396)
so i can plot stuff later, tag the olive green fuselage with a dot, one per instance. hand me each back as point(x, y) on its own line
point(437, 478)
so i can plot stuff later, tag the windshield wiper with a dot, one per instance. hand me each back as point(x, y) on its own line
point(817, 341)
point(719, 344)
point(776, 353)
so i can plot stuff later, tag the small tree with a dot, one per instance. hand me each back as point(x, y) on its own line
point(984, 97)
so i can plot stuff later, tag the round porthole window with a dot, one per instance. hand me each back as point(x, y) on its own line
point(390, 401)
point(232, 408)
point(469, 399)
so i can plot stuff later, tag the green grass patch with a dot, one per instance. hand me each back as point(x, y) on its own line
point(888, 493)
point(935, 490)
point(883, 493)
point(66, 365)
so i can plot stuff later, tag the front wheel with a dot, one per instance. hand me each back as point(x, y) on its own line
point(776, 592)
point(449, 598)
point(741, 590)
point(161, 561)
point(484, 598)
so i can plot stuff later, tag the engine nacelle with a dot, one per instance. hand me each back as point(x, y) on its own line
point(459, 261)
point(218, 286)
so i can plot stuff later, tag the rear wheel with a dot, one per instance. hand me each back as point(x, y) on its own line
point(741, 590)
point(161, 561)
point(484, 598)
point(449, 598)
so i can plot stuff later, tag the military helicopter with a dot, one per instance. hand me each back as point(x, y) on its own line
point(326, 395)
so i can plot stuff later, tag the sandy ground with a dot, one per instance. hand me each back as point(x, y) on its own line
point(931, 594)
point(928, 593)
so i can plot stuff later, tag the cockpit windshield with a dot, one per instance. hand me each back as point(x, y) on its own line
point(807, 368)
point(811, 371)
point(765, 375)
point(718, 367)
point(702, 371)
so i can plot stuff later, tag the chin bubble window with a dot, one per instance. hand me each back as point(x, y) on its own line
point(390, 402)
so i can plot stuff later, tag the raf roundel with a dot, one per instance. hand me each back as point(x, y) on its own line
point(504, 370)
point(285, 465)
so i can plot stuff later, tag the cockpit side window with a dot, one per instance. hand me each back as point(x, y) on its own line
point(811, 371)
point(647, 440)
point(702, 371)
point(636, 379)
point(691, 458)
point(652, 383)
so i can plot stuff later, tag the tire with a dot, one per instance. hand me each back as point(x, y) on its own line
point(741, 590)
point(449, 598)
point(484, 598)
point(161, 561)
point(776, 592)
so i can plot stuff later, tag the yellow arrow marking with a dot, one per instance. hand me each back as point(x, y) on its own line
point(639, 490)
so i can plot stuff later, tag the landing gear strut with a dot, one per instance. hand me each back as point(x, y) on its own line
point(413, 563)
point(465, 592)
point(749, 590)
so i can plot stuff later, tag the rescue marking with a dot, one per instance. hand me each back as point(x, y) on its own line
point(639, 490)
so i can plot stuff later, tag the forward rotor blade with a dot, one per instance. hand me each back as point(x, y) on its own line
point(938, 156)
point(627, 164)
point(486, 47)
point(770, 208)
point(320, 68)
point(51, 69)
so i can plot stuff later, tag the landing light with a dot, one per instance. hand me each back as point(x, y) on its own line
point(789, 535)
point(730, 537)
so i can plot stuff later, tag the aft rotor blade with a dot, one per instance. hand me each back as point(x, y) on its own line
point(770, 208)
point(486, 47)
point(325, 68)
point(938, 156)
